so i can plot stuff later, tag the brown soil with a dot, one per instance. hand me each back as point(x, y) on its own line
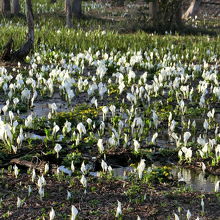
point(100, 201)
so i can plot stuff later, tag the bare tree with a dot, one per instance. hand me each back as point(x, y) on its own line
point(5, 6)
point(77, 8)
point(193, 9)
point(69, 14)
point(15, 7)
point(21, 53)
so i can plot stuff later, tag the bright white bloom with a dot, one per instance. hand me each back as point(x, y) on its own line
point(217, 186)
point(83, 168)
point(206, 125)
point(52, 214)
point(56, 128)
point(57, 149)
point(203, 167)
point(74, 212)
point(19, 202)
point(203, 205)
point(140, 168)
point(119, 210)
point(28, 121)
point(16, 171)
point(66, 128)
point(136, 146)
point(72, 166)
point(83, 181)
point(46, 168)
point(100, 146)
point(176, 217)
point(188, 214)
point(112, 109)
point(68, 197)
point(104, 111)
point(154, 138)
point(89, 121)
point(41, 192)
point(29, 190)
point(33, 175)
point(104, 166)
point(186, 137)
point(81, 128)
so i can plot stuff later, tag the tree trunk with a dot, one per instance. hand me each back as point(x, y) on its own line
point(119, 3)
point(69, 14)
point(15, 9)
point(20, 54)
point(193, 9)
point(77, 8)
point(153, 12)
point(5, 6)
point(178, 16)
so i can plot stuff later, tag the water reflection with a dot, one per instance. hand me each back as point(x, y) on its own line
point(196, 180)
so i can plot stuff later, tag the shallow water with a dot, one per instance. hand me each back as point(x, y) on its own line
point(194, 179)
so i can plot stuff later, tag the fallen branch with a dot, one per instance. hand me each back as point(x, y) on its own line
point(37, 166)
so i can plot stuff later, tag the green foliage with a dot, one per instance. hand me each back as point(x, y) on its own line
point(80, 113)
point(76, 157)
point(158, 175)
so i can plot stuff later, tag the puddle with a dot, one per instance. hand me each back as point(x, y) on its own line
point(117, 172)
point(194, 179)
point(34, 136)
point(39, 137)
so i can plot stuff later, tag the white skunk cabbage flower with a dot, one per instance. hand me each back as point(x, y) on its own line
point(57, 149)
point(52, 214)
point(104, 166)
point(206, 125)
point(136, 146)
point(176, 217)
point(74, 212)
point(203, 205)
point(72, 166)
point(104, 111)
point(154, 138)
point(19, 202)
point(217, 186)
point(33, 175)
point(46, 168)
point(140, 168)
point(83, 168)
point(119, 210)
point(188, 214)
point(16, 171)
point(83, 181)
point(100, 146)
point(56, 128)
point(186, 137)
point(81, 128)
point(69, 195)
